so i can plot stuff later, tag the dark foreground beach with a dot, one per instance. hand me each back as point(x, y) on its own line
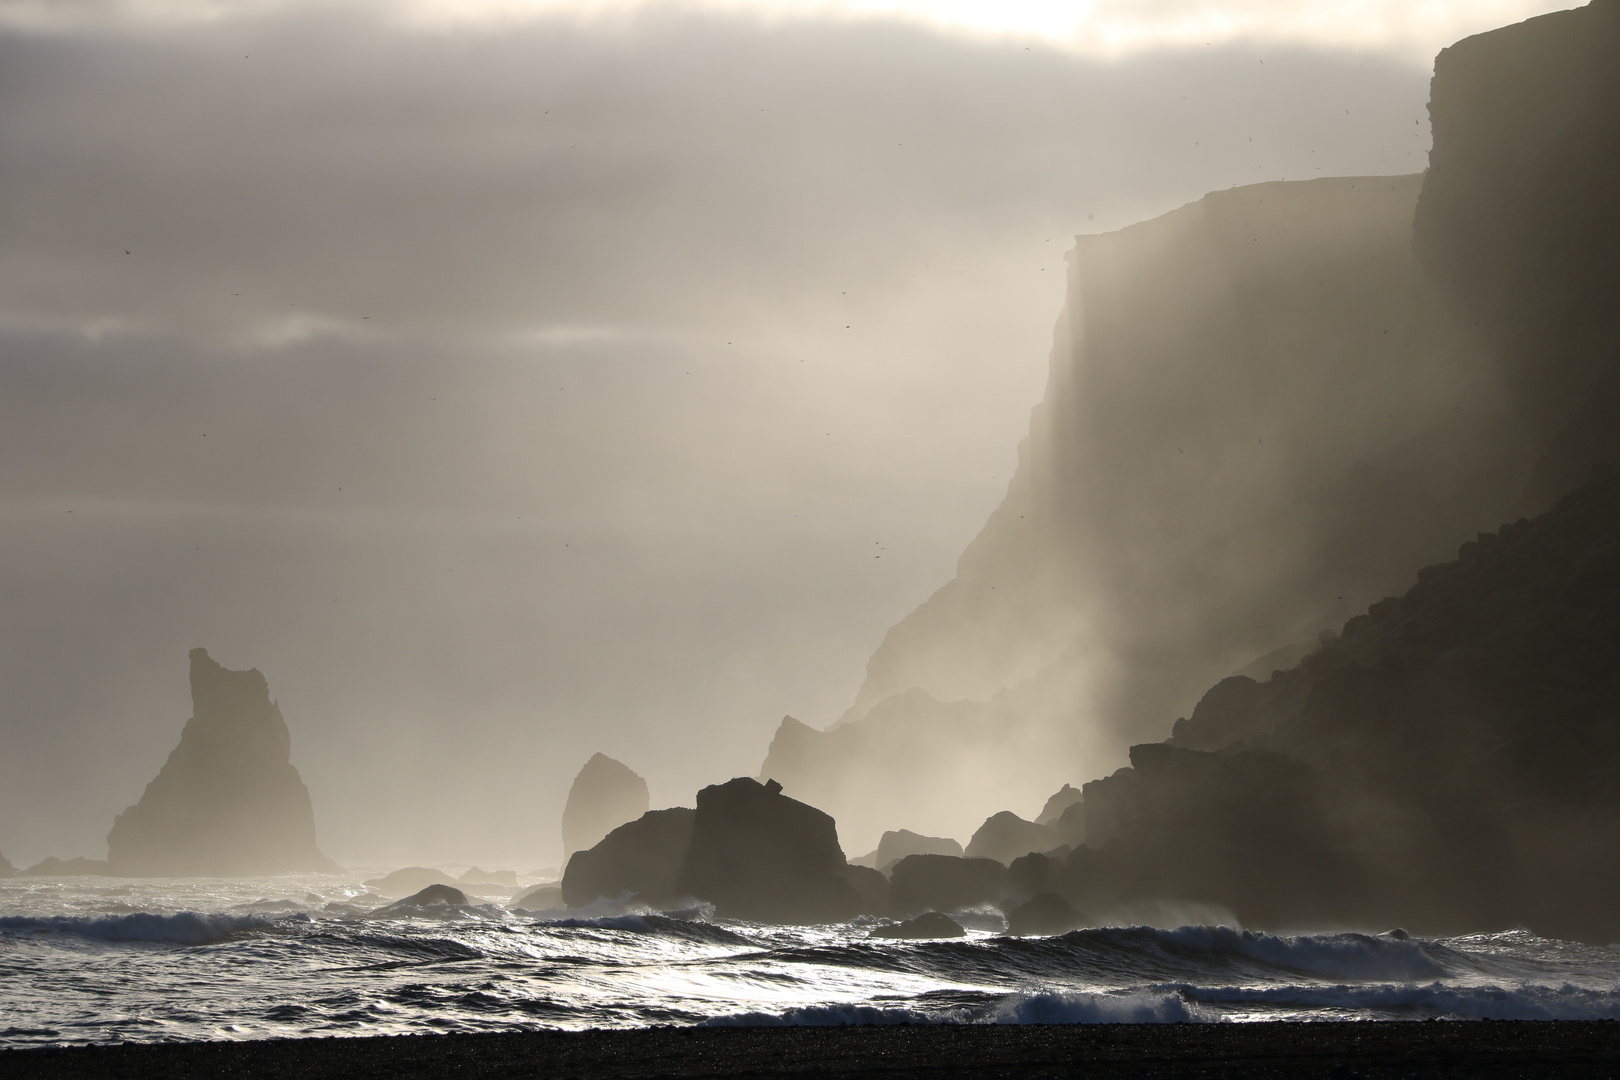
point(1303, 1050)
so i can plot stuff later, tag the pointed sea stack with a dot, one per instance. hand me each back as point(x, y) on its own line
point(605, 795)
point(228, 801)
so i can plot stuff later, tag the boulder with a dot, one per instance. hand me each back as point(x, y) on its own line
point(1065, 797)
point(757, 854)
point(54, 867)
point(930, 925)
point(1043, 915)
point(1005, 836)
point(408, 880)
point(921, 883)
point(228, 801)
point(872, 886)
point(434, 896)
point(641, 859)
point(540, 898)
point(896, 844)
point(605, 795)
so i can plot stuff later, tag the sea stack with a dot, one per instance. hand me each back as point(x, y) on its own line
point(605, 795)
point(228, 801)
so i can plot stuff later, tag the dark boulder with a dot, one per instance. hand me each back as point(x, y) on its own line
point(757, 854)
point(929, 925)
point(872, 886)
point(1005, 836)
point(921, 883)
point(1043, 915)
point(605, 795)
point(639, 860)
point(435, 898)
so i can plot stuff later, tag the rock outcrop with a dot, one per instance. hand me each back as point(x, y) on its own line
point(641, 860)
point(922, 883)
point(228, 801)
point(1005, 836)
point(1042, 916)
point(1449, 762)
point(604, 795)
point(1266, 409)
point(757, 854)
point(896, 844)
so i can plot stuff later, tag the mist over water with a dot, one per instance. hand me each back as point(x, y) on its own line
point(512, 394)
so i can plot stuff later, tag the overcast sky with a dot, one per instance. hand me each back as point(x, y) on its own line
point(513, 381)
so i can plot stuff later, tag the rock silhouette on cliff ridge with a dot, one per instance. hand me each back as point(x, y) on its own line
point(1194, 492)
point(228, 801)
point(604, 795)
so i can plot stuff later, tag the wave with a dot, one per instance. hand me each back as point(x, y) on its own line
point(686, 929)
point(1524, 1001)
point(182, 928)
point(1024, 1007)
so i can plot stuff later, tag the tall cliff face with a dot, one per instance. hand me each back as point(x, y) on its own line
point(1265, 409)
point(228, 801)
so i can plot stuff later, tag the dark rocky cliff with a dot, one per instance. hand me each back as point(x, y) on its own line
point(1265, 410)
point(228, 801)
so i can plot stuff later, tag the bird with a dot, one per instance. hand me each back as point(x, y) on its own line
point(126, 251)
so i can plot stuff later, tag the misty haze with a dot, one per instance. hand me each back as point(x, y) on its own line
point(761, 500)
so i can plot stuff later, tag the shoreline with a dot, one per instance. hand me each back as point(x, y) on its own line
point(1328, 1049)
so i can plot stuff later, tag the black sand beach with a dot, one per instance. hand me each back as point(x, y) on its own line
point(1329, 1050)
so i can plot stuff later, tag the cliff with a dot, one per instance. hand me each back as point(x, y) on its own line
point(1265, 409)
point(228, 801)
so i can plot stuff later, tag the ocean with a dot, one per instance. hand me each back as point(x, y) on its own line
point(103, 960)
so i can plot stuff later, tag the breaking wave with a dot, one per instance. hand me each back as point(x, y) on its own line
point(182, 928)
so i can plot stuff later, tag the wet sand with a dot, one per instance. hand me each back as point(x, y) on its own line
point(1328, 1050)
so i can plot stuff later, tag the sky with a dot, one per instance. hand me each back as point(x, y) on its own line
point(514, 381)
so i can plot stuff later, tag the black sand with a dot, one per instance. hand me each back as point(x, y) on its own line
point(1339, 1051)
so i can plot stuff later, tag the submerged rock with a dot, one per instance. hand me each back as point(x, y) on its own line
point(943, 883)
point(641, 859)
point(1005, 836)
point(54, 867)
point(1043, 915)
point(228, 801)
point(409, 879)
point(930, 925)
point(605, 795)
point(896, 844)
point(757, 854)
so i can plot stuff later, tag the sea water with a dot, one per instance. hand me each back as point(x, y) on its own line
point(103, 960)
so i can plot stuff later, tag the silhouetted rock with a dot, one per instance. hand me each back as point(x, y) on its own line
point(475, 876)
point(1060, 801)
point(929, 925)
point(228, 801)
point(1070, 827)
point(433, 897)
point(408, 880)
point(898, 843)
point(639, 860)
point(605, 795)
point(1029, 875)
point(54, 867)
point(1043, 915)
point(921, 883)
point(757, 854)
point(872, 886)
point(1005, 836)
point(6, 869)
point(540, 898)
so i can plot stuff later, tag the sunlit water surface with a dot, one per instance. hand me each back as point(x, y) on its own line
point(98, 960)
